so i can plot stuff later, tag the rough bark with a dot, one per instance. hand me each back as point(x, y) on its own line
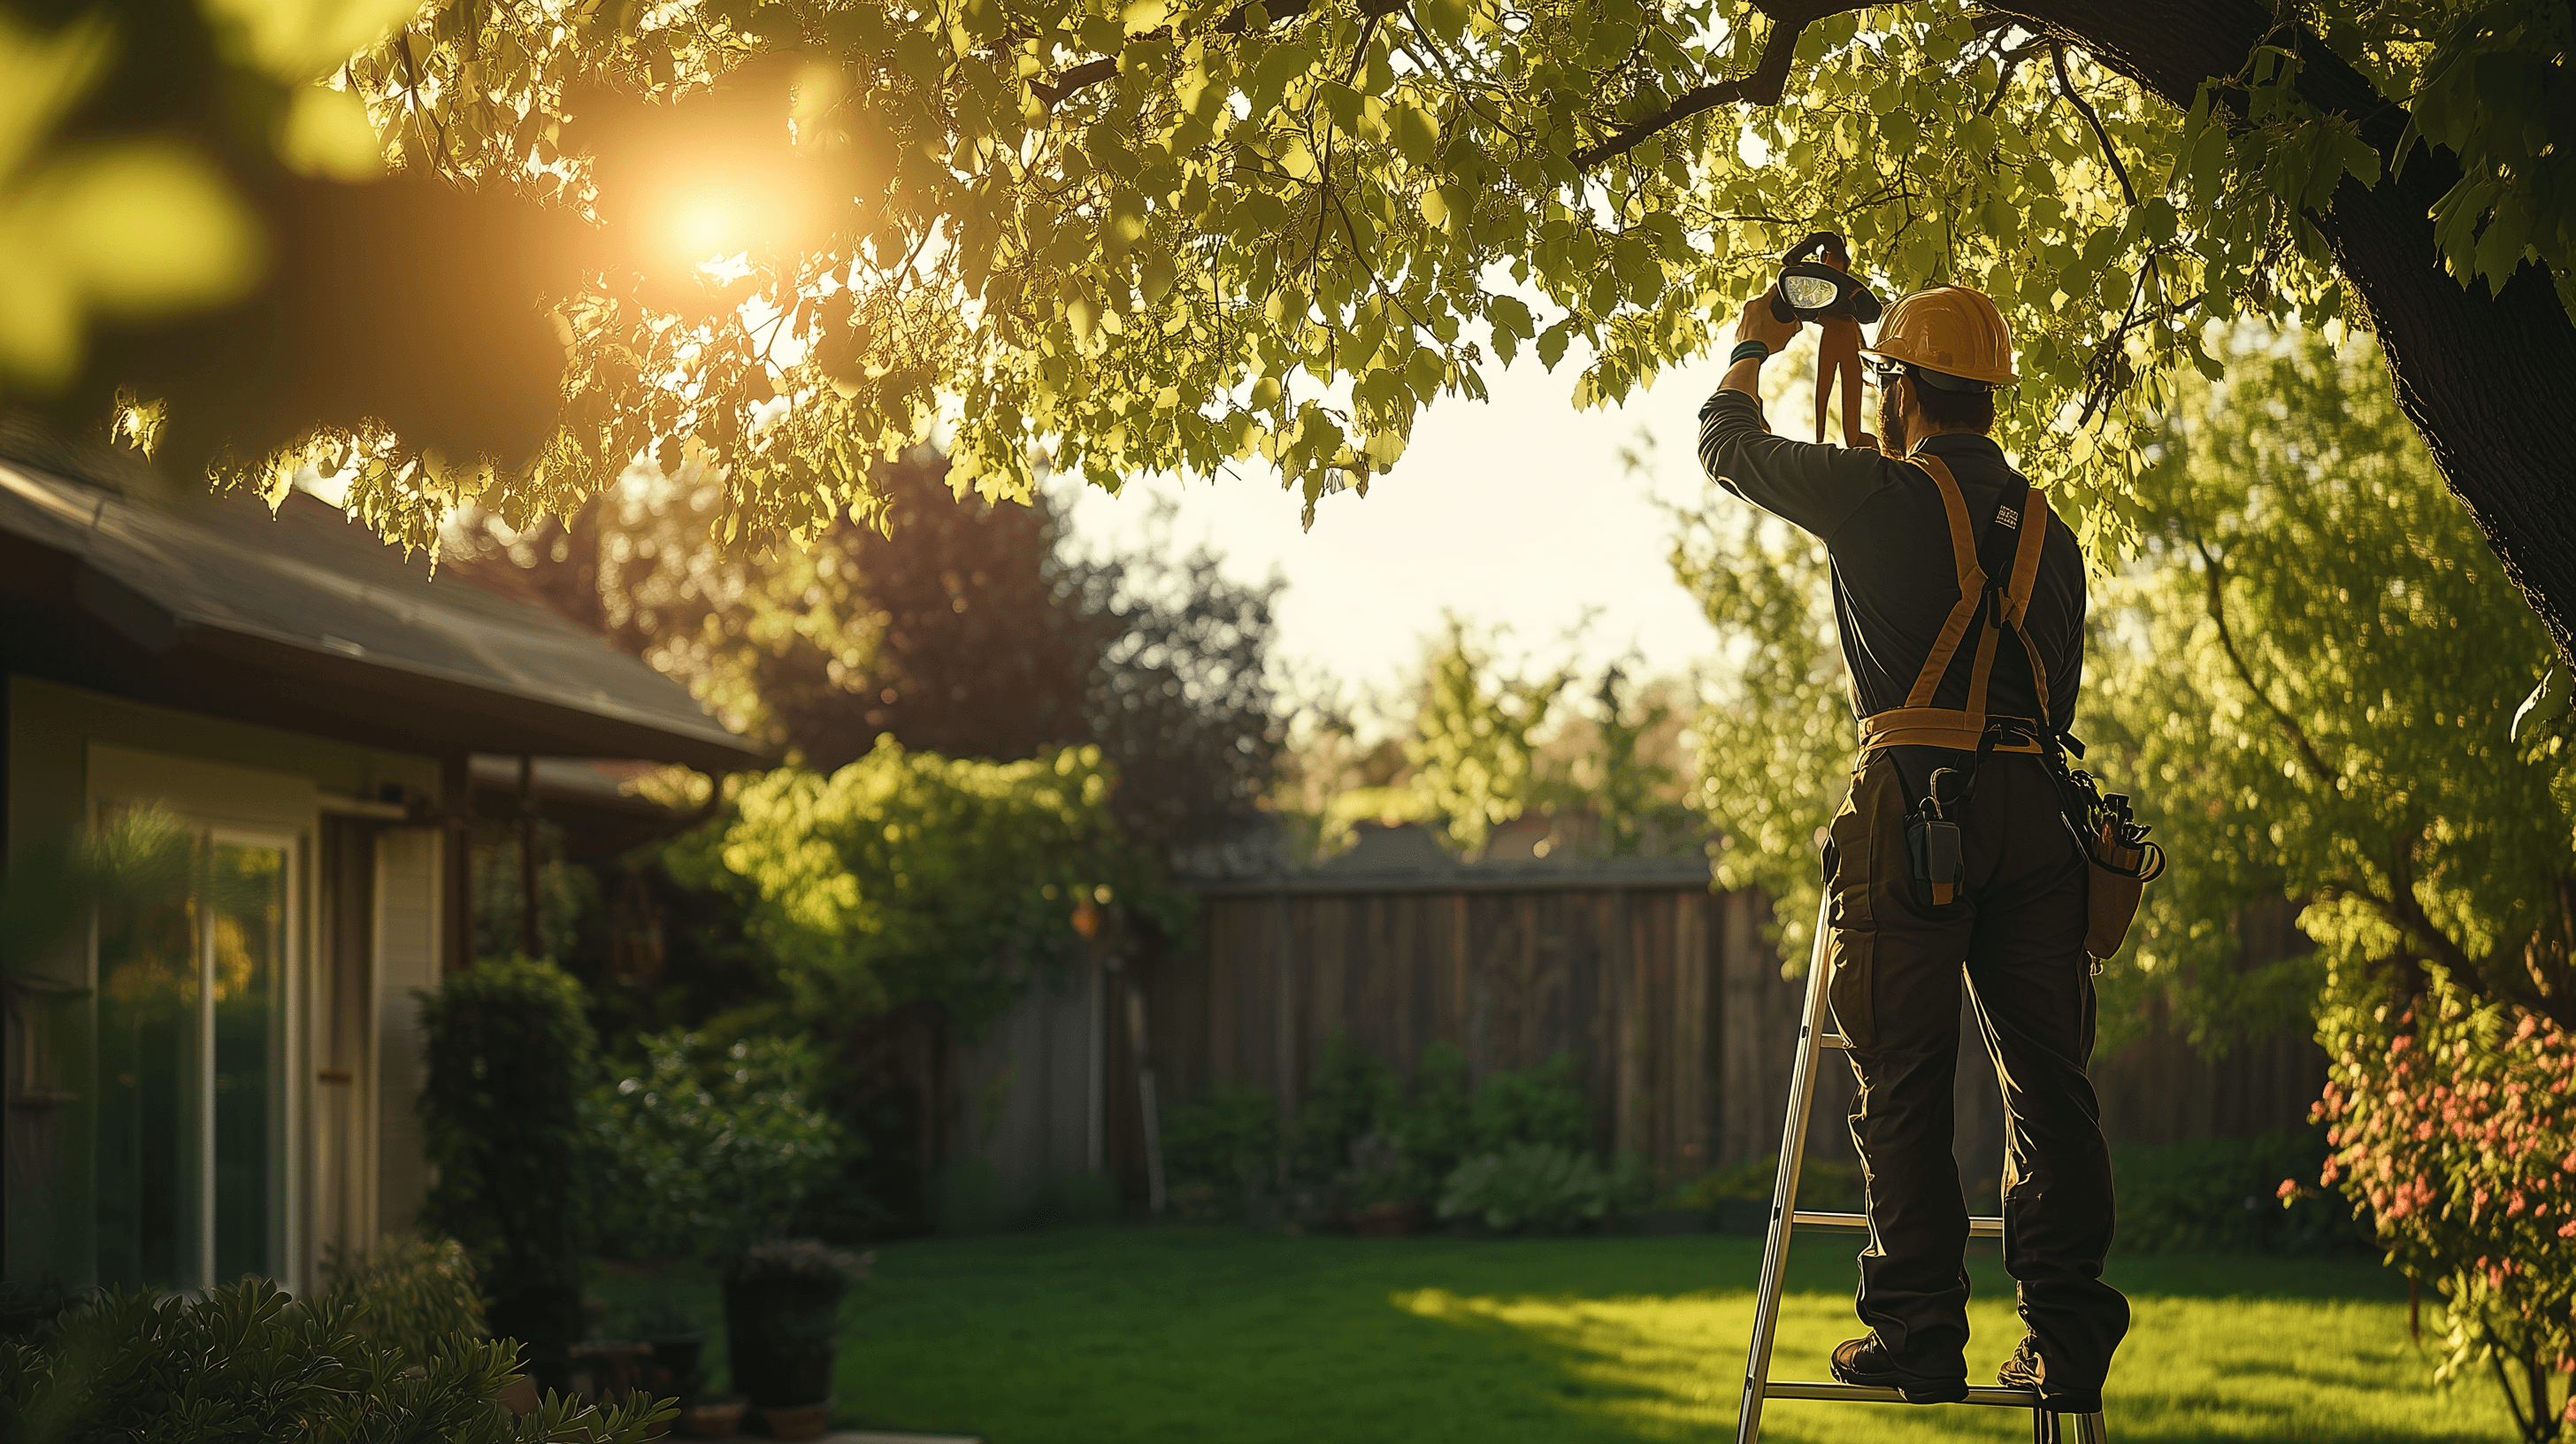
point(2486, 378)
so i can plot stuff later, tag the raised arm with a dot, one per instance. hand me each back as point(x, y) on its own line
point(1812, 487)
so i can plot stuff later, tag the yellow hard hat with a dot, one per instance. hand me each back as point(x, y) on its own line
point(1952, 330)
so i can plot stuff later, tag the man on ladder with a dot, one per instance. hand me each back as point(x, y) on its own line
point(1951, 848)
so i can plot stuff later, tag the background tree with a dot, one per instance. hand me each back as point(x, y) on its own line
point(1174, 235)
point(1474, 748)
point(1487, 741)
point(1621, 758)
point(2311, 681)
point(971, 628)
point(2314, 677)
point(910, 877)
point(1776, 740)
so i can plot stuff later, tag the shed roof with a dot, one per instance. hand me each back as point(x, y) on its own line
point(304, 619)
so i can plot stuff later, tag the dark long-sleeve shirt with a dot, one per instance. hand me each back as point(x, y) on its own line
point(1888, 538)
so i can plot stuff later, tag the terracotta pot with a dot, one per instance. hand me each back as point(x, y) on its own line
point(1392, 1219)
point(718, 1419)
point(519, 1396)
point(805, 1421)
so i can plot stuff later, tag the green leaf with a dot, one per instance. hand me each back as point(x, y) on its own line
point(1552, 343)
point(2157, 219)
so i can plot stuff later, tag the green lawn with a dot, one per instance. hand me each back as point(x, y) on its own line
point(1209, 1336)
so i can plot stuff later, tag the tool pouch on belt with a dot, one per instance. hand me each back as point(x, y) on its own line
point(2119, 861)
point(2114, 886)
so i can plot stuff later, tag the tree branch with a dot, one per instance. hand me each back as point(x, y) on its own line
point(1763, 86)
point(2010, 67)
point(2084, 108)
point(2217, 573)
point(1092, 72)
point(1089, 72)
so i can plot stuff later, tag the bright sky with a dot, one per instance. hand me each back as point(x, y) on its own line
point(1516, 511)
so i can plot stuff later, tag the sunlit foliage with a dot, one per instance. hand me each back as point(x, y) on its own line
point(1474, 740)
point(2311, 681)
point(908, 877)
point(1118, 238)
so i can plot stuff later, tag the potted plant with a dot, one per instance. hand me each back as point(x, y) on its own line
point(711, 1151)
point(782, 1304)
point(672, 1341)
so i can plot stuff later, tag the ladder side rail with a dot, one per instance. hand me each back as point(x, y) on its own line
point(1784, 1193)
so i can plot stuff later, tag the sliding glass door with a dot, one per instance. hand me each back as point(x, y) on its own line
point(193, 950)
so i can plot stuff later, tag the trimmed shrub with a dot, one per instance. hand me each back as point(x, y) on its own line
point(1219, 1152)
point(246, 1363)
point(704, 1151)
point(411, 1296)
point(1527, 1187)
point(1543, 1106)
point(508, 1052)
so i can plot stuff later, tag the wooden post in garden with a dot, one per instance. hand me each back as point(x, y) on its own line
point(1145, 1099)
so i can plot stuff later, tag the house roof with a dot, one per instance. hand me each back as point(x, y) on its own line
point(304, 619)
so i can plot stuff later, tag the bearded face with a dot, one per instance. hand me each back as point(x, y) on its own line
point(1891, 425)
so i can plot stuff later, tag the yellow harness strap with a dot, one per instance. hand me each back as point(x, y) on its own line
point(1920, 724)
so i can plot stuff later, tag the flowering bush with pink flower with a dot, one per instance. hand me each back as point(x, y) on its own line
point(2454, 1129)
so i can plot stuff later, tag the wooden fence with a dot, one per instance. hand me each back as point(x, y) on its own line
point(1665, 994)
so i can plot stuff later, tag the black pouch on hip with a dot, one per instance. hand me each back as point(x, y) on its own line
point(1934, 842)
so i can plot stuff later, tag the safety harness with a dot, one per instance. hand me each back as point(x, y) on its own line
point(1997, 573)
point(1995, 581)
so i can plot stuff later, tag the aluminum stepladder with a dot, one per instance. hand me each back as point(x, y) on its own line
point(1759, 1386)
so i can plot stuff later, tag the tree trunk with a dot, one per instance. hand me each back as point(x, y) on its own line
point(2486, 378)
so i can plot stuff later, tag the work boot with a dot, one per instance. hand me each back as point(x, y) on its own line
point(1865, 1361)
point(2027, 1370)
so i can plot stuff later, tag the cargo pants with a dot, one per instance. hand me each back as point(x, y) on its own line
point(2018, 927)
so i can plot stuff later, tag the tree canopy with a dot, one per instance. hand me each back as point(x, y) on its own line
point(2312, 680)
point(791, 238)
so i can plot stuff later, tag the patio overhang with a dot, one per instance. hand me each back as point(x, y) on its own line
point(302, 619)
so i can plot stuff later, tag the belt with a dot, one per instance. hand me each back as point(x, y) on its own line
point(1945, 727)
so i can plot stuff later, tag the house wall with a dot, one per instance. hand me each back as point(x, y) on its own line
point(68, 748)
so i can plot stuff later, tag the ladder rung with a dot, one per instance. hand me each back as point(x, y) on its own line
point(1977, 1227)
point(1833, 1040)
point(1856, 1394)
